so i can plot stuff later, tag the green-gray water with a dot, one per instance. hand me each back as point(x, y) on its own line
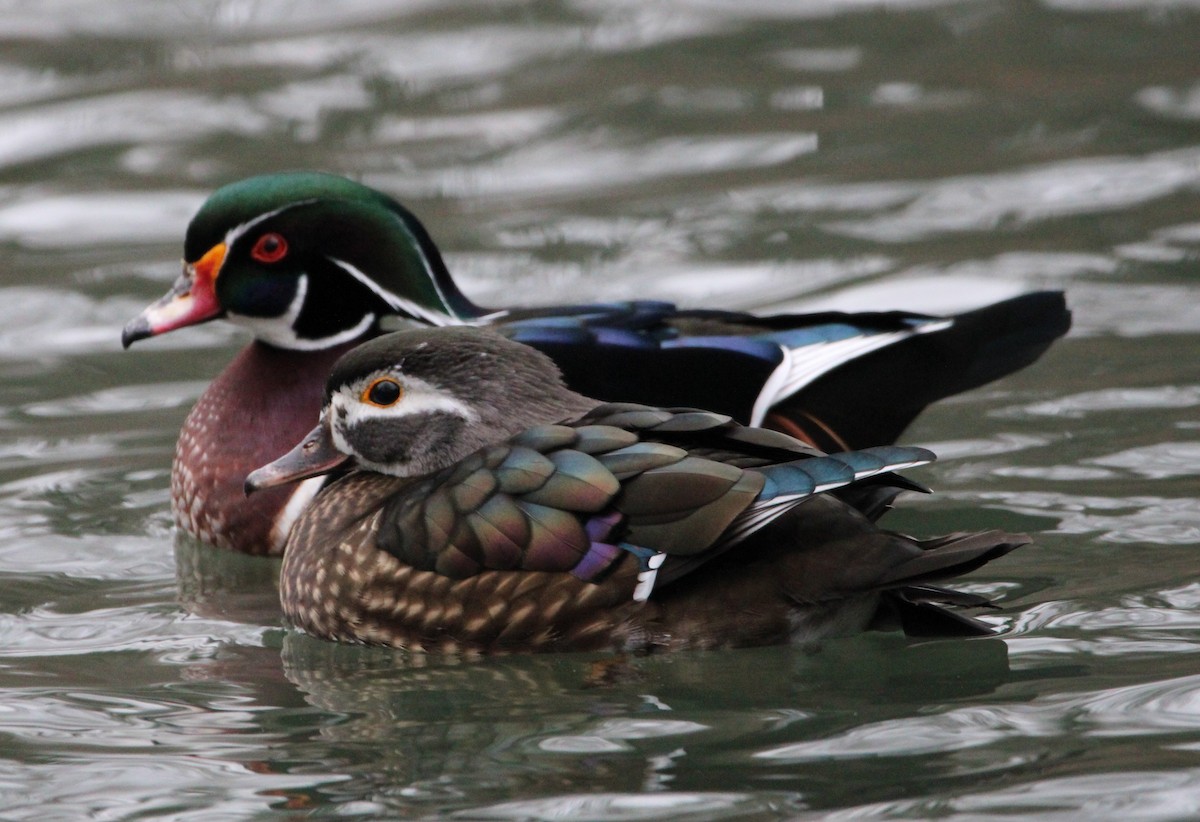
point(769, 154)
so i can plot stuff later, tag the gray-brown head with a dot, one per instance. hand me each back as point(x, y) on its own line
point(414, 402)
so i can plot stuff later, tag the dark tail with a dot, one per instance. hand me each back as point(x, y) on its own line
point(923, 610)
point(872, 399)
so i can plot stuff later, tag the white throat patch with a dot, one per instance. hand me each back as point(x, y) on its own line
point(280, 331)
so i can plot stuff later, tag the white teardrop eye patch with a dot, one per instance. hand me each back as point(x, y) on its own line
point(382, 393)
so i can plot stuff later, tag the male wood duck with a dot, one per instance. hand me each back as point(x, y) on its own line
point(495, 509)
point(310, 263)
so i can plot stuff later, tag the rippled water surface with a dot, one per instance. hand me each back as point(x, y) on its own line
point(769, 154)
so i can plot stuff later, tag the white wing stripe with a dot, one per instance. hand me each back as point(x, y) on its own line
point(761, 513)
point(800, 366)
point(646, 578)
point(397, 302)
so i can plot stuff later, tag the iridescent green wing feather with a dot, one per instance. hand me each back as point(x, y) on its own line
point(704, 433)
point(505, 507)
point(567, 499)
point(577, 498)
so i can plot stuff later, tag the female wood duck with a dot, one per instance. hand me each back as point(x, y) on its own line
point(495, 509)
point(310, 263)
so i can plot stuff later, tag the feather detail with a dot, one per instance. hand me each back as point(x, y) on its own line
point(635, 520)
point(579, 483)
point(786, 486)
point(536, 504)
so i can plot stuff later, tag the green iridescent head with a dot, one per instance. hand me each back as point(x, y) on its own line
point(306, 261)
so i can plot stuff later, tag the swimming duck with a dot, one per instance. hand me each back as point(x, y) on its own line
point(310, 263)
point(491, 508)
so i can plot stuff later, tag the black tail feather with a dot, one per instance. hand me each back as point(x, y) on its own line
point(923, 610)
point(928, 619)
point(952, 556)
point(872, 399)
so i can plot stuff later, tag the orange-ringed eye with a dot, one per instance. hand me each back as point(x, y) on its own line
point(382, 392)
point(270, 248)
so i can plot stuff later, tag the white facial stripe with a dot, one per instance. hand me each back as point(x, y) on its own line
point(276, 333)
point(494, 317)
point(280, 332)
point(419, 397)
point(237, 231)
point(429, 271)
point(397, 302)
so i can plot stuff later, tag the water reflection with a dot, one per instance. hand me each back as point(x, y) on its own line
point(578, 164)
point(92, 219)
point(610, 807)
point(1176, 103)
point(608, 736)
point(1058, 190)
point(1108, 793)
point(540, 724)
point(768, 154)
point(1078, 406)
point(1126, 519)
point(226, 585)
point(120, 118)
point(446, 731)
point(62, 322)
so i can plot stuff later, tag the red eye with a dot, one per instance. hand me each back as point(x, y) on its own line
point(270, 248)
